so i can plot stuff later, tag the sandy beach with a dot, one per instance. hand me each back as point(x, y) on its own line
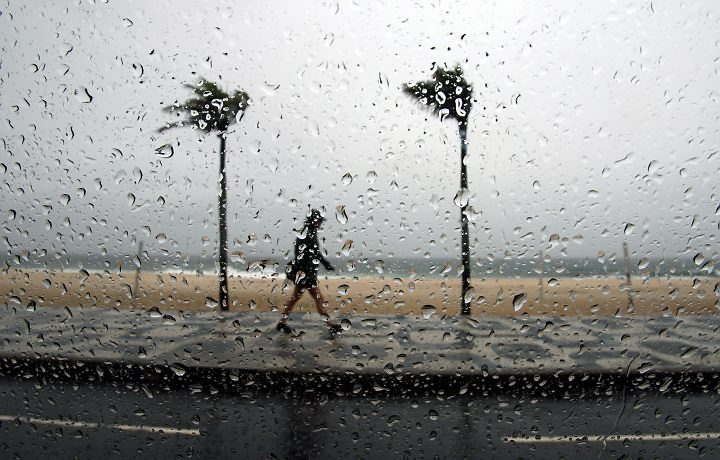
point(367, 296)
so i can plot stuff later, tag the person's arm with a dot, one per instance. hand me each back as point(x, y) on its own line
point(322, 258)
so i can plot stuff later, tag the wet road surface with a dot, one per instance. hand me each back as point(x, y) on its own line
point(116, 419)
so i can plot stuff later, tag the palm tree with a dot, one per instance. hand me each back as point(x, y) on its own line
point(448, 94)
point(212, 110)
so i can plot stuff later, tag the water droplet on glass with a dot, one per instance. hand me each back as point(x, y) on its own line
point(63, 69)
point(130, 199)
point(472, 214)
point(643, 263)
point(469, 295)
point(462, 197)
point(161, 238)
point(340, 214)
point(138, 70)
point(165, 151)
point(120, 176)
point(428, 311)
point(210, 302)
point(169, 319)
point(433, 415)
point(137, 175)
point(447, 268)
point(519, 301)
point(371, 176)
point(347, 179)
point(653, 167)
point(217, 103)
point(343, 289)
point(380, 266)
point(83, 95)
point(178, 369)
point(459, 107)
point(346, 324)
point(251, 239)
point(127, 22)
point(629, 229)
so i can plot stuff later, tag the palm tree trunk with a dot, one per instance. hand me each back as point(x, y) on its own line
point(222, 213)
point(464, 233)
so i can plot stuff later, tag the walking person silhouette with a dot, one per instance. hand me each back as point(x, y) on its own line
point(302, 271)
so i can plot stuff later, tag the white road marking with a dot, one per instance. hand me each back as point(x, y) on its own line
point(612, 438)
point(112, 426)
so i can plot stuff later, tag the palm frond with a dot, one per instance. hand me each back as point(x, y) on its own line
point(447, 94)
point(210, 109)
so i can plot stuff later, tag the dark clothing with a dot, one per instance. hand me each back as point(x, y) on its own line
point(303, 269)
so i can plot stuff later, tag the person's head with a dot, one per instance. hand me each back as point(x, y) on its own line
point(314, 219)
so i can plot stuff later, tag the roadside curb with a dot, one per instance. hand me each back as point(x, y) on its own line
point(150, 378)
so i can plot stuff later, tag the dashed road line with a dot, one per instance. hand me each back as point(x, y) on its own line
point(95, 425)
point(644, 437)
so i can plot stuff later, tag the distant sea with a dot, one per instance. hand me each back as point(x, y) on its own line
point(373, 267)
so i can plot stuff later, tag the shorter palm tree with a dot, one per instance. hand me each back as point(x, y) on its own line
point(213, 110)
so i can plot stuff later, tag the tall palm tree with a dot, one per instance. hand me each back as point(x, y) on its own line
point(212, 110)
point(449, 95)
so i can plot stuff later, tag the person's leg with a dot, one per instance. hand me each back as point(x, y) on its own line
point(297, 293)
point(320, 304)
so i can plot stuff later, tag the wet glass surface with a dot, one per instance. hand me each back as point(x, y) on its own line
point(414, 195)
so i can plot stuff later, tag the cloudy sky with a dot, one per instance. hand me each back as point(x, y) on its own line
point(595, 123)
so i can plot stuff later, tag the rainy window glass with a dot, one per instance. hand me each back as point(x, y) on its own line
point(421, 220)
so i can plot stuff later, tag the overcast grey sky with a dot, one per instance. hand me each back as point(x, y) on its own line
point(596, 115)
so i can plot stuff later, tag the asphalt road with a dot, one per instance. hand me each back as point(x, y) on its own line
point(124, 420)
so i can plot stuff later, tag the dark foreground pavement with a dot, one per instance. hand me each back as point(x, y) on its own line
point(56, 419)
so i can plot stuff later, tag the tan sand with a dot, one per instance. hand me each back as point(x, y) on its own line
point(368, 296)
